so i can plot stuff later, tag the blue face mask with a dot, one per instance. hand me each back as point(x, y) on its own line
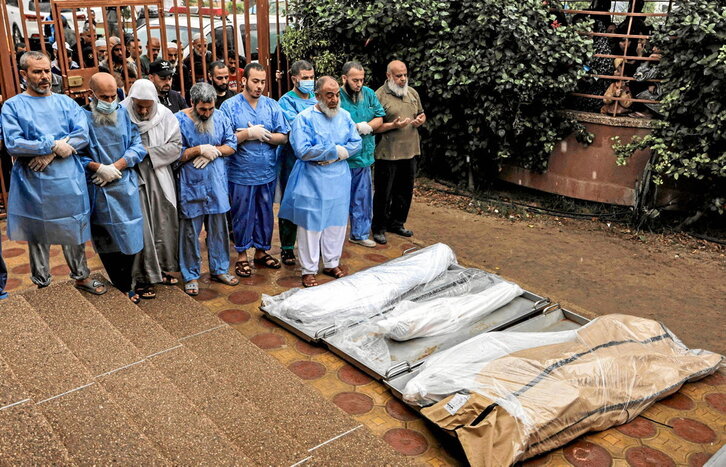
point(306, 86)
point(106, 107)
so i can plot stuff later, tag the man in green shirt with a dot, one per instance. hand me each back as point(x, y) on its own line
point(367, 114)
point(396, 153)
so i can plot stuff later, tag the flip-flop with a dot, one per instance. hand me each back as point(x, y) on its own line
point(226, 279)
point(335, 273)
point(242, 268)
point(134, 297)
point(268, 262)
point(91, 288)
point(192, 288)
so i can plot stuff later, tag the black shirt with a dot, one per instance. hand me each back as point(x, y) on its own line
point(224, 97)
point(173, 101)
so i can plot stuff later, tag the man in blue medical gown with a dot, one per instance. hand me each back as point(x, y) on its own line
point(260, 127)
point(317, 196)
point(202, 186)
point(48, 200)
point(299, 98)
point(117, 225)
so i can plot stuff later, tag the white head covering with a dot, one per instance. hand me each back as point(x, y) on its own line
point(156, 133)
point(101, 43)
point(143, 89)
point(172, 45)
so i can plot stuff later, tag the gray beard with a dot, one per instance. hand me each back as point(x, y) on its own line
point(400, 91)
point(42, 92)
point(202, 126)
point(328, 112)
point(100, 119)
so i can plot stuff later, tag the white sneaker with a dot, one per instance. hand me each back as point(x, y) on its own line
point(366, 243)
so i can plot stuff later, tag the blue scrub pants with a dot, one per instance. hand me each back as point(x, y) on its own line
point(361, 203)
point(252, 217)
point(190, 255)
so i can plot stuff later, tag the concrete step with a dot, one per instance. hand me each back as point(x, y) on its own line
point(84, 330)
point(285, 400)
point(93, 429)
point(26, 437)
point(222, 402)
point(182, 433)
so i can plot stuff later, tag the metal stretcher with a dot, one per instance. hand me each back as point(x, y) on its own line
point(527, 313)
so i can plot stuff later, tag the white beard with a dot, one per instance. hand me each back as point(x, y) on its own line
point(103, 119)
point(328, 112)
point(202, 126)
point(400, 91)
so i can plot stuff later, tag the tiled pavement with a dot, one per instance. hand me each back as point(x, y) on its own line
point(684, 429)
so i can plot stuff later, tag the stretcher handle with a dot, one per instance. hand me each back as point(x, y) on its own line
point(398, 369)
point(413, 248)
point(540, 304)
point(325, 332)
point(551, 308)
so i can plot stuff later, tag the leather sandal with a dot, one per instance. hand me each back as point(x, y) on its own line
point(335, 273)
point(267, 261)
point(242, 268)
point(308, 280)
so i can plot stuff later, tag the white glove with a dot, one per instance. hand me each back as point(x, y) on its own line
point(258, 132)
point(363, 128)
point(342, 153)
point(209, 152)
point(200, 162)
point(39, 163)
point(107, 173)
point(62, 148)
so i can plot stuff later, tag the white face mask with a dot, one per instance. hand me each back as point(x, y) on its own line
point(106, 108)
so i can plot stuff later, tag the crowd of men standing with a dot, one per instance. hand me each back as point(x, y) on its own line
point(142, 177)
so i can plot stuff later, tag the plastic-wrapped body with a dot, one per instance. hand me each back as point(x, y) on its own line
point(446, 305)
point(364, 293)
point(443, 315)
point(555, 387)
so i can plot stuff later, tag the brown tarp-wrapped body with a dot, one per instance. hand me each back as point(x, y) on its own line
point(538, 399)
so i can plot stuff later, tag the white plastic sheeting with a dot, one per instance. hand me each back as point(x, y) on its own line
point(409, 320)
point(364, 293)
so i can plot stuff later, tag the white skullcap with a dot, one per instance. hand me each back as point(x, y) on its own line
point(172, 45)
point(101, 43)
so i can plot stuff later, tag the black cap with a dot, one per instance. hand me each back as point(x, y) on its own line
point(162, 68)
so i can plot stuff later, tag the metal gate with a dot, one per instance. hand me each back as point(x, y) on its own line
point(235, 32)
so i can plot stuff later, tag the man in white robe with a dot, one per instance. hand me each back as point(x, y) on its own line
point(159, 130)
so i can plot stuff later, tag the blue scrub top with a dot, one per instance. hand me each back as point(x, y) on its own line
point(116, 207)
point(254, 162)
point(52, 206)
point(318, 196)
point(292, 105)
point(366, 109)
point(204, 191)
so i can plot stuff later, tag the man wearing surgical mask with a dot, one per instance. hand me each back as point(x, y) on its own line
point(117, 224)
point(293, 102)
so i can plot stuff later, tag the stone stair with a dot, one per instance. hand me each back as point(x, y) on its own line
point(90, 379)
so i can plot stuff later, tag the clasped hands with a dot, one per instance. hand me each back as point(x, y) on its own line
point(61, 148)
point(207, 154)
point(342, 155)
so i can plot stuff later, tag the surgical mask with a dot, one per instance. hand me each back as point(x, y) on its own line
point(306, 86)
point(104, 107)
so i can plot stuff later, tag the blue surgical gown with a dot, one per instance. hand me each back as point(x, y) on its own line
point(254, 162)
point(118, 224)
point(292, 105)
point(318, 196)
point(204, 191)
point(52, 206)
